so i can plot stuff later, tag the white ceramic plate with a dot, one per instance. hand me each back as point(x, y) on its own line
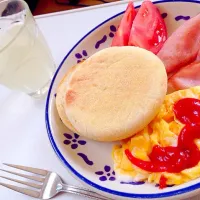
point(91, 161)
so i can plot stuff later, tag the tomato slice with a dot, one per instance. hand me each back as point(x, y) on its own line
point(121, 37)
point(148, 29)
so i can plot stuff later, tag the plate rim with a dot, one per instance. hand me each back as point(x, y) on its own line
point(67, 164)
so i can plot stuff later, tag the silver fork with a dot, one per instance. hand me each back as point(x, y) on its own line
point(48, 185)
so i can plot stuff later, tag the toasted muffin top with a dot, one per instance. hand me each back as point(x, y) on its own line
point(115, 93)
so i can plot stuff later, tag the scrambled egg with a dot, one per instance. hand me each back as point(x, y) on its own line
point(163, 131)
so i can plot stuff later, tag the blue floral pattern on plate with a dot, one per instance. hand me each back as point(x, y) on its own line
point(181, 17)
point(73, 140)
point(85, 158)
point(106, 174)
point(81, 56)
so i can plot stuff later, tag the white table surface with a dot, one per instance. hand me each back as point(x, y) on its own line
point(24, 139)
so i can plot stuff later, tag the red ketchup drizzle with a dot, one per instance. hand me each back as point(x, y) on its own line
point(162, 182)
point(186, 154)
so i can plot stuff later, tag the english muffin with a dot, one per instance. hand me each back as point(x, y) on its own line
point(60, 99)
point(113, 94)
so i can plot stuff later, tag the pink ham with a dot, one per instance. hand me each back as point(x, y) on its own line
point(182, 46)
point(186, 77)
point(198, 56)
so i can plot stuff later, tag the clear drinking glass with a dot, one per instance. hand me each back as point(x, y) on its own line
point(26, 63)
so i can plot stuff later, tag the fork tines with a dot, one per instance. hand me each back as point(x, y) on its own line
point(28, 169)
point(22, 190)
point(40, 179)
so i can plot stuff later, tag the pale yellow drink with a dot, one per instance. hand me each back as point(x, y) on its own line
point(26, 63)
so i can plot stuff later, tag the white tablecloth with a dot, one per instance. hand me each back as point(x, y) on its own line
point(24, 139)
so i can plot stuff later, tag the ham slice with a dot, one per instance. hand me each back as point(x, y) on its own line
point(182, 46)
point(186, 77)
point(198, 56)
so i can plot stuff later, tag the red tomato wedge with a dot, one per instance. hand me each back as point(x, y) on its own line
point(123, 32)
point(148, 28)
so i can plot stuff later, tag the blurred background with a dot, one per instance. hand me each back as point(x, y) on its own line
point(48, 6)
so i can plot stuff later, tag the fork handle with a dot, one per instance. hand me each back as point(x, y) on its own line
point(82, 192)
